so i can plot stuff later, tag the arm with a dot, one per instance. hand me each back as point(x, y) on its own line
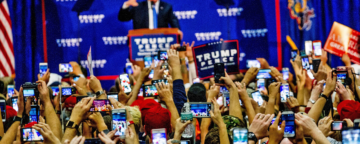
point(165, 95)
point(310, 128)
point(274, 89)
point(250, 75)
point(126, 13)
point(205, 122)
point(234, 108)
point(51, 117)
point(1, 127)
point(246, 100)
point(217, 119)
point(144, 73)
point(315, 93)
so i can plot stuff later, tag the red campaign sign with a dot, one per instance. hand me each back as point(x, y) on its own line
point(343, 40)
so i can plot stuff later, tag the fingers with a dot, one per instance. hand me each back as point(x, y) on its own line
point(90, 102)
point(257, 116)
point(266, 118)
point(278, 119)
point(283, 125)
point(270, 118)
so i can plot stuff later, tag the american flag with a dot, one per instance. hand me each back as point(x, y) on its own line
point(7, 62)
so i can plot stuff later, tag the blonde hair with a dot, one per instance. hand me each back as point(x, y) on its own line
point(136, 114)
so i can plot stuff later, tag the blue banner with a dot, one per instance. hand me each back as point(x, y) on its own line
point(141, 46)
point(205, 56)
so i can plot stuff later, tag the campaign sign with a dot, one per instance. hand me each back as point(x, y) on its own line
point(343, 39)
point(205, 56)
point(141, 46)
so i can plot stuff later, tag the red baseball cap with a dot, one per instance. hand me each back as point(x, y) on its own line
point(157, 117)
point(349, 109)
point(10, 112)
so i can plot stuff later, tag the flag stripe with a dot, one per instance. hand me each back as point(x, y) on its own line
point(7, 16)
point(6, 7)
point(6, 25)
point(3, 68)
point(7, 61)
point(6, 47)
point(2, 49)
point(7, 38)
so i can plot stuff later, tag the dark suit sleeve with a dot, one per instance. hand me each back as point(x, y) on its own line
point(174, 22)
point(125, 14)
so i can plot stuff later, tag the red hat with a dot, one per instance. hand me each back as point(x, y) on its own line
point(10, 112)
point(138, 102)
point(145, 105)
point(30, 125)
point(349, 109)
point(70, 102)
point(157, 117)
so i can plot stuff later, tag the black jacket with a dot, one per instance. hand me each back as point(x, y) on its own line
point(140, 16)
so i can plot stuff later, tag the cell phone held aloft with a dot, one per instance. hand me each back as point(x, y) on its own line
point(219, 72)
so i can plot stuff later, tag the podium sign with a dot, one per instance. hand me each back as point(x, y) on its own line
point(144, 42)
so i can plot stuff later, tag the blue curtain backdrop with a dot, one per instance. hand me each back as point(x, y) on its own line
point(28, 44)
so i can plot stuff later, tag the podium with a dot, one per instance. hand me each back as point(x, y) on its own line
point(143, 42)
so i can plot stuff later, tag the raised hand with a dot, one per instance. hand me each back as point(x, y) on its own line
point(45, 131)
point(81, 109)
point(276, 135)
point(342, 91)
point(131, 3)
point(43, 91)
point(123, 97)
point(94, 84)
point(45, 77)
point(324, 126)
point(216, 115)
point(250, 75)
point(321, 73)
point(158, 71)
point(330, 83)
point(165, 94)
point(260, 124)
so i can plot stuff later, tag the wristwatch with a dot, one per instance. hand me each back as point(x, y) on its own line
point(130, 122)
point(312, 101)
point(99, 93)
point(251, 136)
point(17, 119)
point(71, 124)
point(175, 141)
point(324, 96)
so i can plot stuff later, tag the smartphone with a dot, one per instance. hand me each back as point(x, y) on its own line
point(147, 64)
point(14, 104)
point(350, 135)
point(43, 68)
point(29, 92)
point(93, 141)
point(260, 84)
point(125, 83)
point(153, 82)
point(55, 90)
point(158, 136)
point(99, 105)
point(263, 74)
point(30, 135)
point(79, 98)
point(317, 47)
point(128, 67)
point(284, 92)
point(337, 125)
point(65, 68)
point(185, 142)
point(308, 47)
point(149, 91)
point(162, 55)
point(305, 63)
point(257, 97)
point(303, 53)
point(240, 135)
point(293, 54)
point(316, 64)
point(119, 122)
point(341, 74)
point(3, 109)
point(219, 72)
point(34, 113)
point(356, 122)
point(68, 91)
point(113, 95)
point(285, 72)
point(10, 90)
point(252, 63)
point(201, 109)
point(166, 67)
point(181, 48)
point(289, 118)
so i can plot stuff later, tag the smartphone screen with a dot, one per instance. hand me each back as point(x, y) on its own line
point(99, 105)
point(219, 72)
point(252, 63)
point(200, 109)
point(308, 47)
point(284, 92)
point(43, 68)
point(79, 98)
point(293, 54)
point(147, 64)
point(317, 48)
point(112, 95)
point(166, 71)
point(341, 76)
point(285, 72)
point(163, 55)
point(30, 134)
point(185, 142)
point(93, 141)
point(125, 83)
point(67, 91)
point(158, 136)
point(337, 125)
point(141, 92)
point(263, 74)
point(240, 136)
point(65, 68)
point(10, 90)
point(153, 82)
point(289, 118)
point(14, 103)
point(128, 68)
point(261, 84)
point(3, 110)
point(316, 64)
point(257, 97)
point(29, 92)
point(305, 63)
point(119, 121)
point(150, 91)
point(350, 136)
point(34, 114)
point(55, 90)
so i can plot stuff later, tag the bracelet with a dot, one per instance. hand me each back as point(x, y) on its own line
point(191, 61)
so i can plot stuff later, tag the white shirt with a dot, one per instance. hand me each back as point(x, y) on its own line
point(150, 11)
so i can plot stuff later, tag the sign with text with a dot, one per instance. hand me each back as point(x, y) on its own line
point(205, 56)
point(343, 40)
point(141, 46)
